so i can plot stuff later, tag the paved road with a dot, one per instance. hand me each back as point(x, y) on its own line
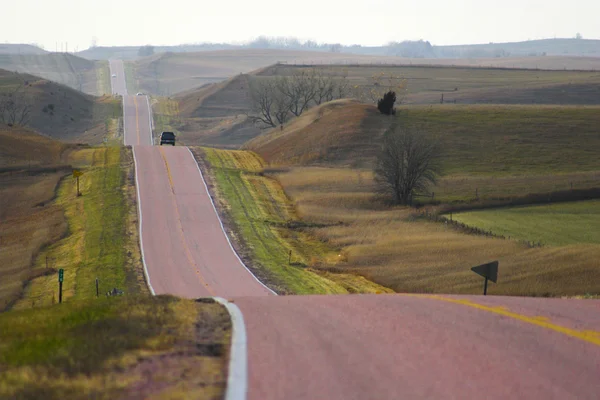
point(408, 347)
point(355, 347)
point(185, 250)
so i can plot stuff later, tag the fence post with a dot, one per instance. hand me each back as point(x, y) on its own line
point(97, 291)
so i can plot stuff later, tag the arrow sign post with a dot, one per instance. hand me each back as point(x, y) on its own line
point(61, 274)
point(488, 271)
point(76, 174)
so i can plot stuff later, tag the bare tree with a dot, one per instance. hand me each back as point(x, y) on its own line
point(300, 89)
point(407, 164)
point(268, 105)
point(15, 107)
point(275, 100)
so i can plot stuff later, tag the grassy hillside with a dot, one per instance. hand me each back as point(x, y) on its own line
point(61, 112)
point(490, 152)
point(64, 68)
point(31, 167)
point(479, 140)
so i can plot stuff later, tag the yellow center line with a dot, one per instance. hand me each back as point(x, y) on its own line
point(586, 335)
point(137, 120)
point(182, 234)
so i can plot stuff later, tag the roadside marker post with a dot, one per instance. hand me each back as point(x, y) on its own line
point(97, 288)
point(61, 274)
point(488, 271)
point(76, 174)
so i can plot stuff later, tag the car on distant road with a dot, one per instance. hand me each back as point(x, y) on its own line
point(114, 75)
point(139, 94)
point(167, 138)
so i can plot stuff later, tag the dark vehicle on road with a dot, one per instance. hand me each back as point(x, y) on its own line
point(167, 138)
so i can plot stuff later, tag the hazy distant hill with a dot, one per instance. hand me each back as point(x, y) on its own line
point(65, 68)
point(410, 49)
point(10, 48)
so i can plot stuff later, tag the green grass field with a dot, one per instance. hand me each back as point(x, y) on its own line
point(553, 224)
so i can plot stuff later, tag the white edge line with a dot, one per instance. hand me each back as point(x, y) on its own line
point(222, 227)
point(150, 121)
point(237, 376)
point(139, 201)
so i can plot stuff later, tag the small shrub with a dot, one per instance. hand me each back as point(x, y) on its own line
point(385, 105)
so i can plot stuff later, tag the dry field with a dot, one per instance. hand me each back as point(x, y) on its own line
point(392, 248)
point(166, 74)
point(426, 84)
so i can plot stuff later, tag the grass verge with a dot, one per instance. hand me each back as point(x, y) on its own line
point(555, 224)
point(134, 346)
point(99, 222)
point(263, 224)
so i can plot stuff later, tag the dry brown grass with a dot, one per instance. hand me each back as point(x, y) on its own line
point(61, 112)
point(342, 131)
point(28, 221)
point(157, 347)
point(385, 245)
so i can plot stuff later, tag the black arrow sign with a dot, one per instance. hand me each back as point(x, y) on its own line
point(488, 271)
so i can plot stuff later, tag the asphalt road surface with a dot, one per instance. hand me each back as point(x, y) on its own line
point(415, 347)
point(355, 346)
point(185, 250)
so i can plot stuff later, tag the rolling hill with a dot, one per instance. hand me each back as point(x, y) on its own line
point(76, 72)
point(477, 139)
point(20, 48)
point(59, 111)
point(420, 49)
point(216, 114)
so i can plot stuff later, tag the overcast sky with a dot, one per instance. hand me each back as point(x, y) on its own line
point(372, 22)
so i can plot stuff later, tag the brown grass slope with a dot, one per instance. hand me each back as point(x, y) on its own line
point(20, 147)
point(29, 174)
point(61, 112)
point(338, 132)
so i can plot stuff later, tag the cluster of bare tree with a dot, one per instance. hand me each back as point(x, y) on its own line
point(15, 107)
point(275, 100)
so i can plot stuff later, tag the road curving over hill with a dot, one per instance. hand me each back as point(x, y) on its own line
point(355, 346)
point(184, 247)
